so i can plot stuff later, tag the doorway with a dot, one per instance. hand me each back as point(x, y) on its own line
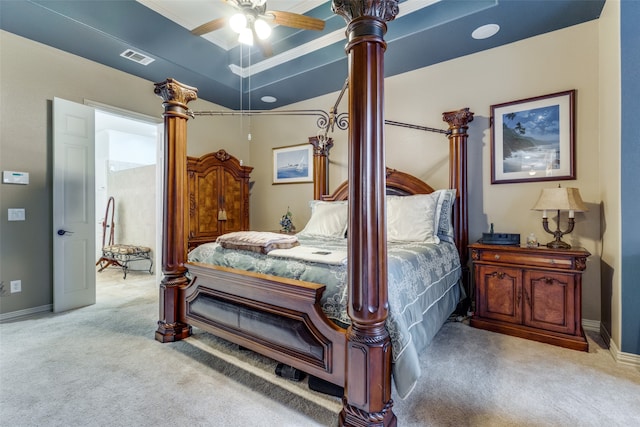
point(127, 153)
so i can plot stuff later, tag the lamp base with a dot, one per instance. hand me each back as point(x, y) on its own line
point(558, 244)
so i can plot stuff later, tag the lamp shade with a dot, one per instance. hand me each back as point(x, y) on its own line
point(560, 198)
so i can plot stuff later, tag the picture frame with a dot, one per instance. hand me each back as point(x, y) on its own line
point(533, 139)
point(293, 164)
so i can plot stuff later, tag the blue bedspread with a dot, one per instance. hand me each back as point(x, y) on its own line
point(423, 281)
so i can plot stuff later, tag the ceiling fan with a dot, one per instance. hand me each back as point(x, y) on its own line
point(252, 22)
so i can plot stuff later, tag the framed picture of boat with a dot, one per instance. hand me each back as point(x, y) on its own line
point(293, 164)
point(533, 139)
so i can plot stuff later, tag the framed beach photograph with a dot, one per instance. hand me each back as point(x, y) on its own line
point(293, 164)
point(533, 139)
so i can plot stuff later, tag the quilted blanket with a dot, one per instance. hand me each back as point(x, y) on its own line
point(423, 281)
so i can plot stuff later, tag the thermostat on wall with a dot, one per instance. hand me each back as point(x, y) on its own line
point(11, 177)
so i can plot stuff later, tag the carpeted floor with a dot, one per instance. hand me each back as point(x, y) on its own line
point(100, 365)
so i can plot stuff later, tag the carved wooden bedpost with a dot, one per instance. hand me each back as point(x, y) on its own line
point(458, 121)
point(174, 242)
point(321, 148)
point(367, 400)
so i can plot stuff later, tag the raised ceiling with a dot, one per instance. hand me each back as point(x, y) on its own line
point(304, 64)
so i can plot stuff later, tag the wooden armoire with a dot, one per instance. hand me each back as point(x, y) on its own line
point(218, 186)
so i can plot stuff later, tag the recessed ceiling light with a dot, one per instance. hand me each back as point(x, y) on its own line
point(269, 99)
point(485, 31)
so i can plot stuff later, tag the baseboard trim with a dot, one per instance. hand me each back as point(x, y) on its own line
point(620, 357)
point(12, 315)
point(591, 325)
point(623, 358)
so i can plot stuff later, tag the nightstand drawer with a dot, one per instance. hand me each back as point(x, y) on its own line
point(525, 259)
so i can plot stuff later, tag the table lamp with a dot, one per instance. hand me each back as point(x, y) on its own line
point(559, 199)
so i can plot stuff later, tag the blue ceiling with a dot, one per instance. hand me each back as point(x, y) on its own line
point(101, 30)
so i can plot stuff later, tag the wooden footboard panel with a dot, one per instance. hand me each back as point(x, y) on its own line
point(276, 317)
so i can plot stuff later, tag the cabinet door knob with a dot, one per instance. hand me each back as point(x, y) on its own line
point(496, 256)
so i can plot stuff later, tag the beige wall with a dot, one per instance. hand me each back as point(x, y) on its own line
point(610, 186)
point(31, 75)
point(554, 62)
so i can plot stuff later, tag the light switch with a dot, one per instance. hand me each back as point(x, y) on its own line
point(16, 214)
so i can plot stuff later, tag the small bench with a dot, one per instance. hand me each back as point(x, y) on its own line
point(122, 255)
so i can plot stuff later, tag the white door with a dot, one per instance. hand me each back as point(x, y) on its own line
point(74, 271)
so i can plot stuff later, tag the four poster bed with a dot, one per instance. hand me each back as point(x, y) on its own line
point(285, 318)
point(308, 332)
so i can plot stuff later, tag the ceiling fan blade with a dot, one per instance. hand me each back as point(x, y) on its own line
point(295, 20)
point(209, 27)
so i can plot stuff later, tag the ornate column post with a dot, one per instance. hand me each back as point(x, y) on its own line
point(458, 121)
point(174, 242)
point(321, 148)
point(367, 400)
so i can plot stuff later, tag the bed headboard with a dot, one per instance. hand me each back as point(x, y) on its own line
point(398, 183)
point(401, 183)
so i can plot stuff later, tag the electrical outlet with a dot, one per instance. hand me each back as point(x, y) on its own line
point(16, 286)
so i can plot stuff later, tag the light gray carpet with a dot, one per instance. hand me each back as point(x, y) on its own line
point(100, 365)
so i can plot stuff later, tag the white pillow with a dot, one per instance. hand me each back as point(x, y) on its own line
point(328, 219)
point(412, 218)
point(444, 215)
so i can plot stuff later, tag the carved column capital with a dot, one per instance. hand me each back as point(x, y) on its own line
point(458, 119)
point(321, 147)
point(384, 10)
point(176, 96)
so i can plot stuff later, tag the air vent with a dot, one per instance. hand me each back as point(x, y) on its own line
point(137, 57)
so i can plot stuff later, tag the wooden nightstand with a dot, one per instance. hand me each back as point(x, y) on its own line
point(533, 293)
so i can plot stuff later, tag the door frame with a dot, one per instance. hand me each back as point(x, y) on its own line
point(159, 122)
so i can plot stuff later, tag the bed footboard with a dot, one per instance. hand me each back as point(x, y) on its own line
point(278, 318)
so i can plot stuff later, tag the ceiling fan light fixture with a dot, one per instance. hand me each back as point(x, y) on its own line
point(238, 22)
point(263, 30)
point(246, 37)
